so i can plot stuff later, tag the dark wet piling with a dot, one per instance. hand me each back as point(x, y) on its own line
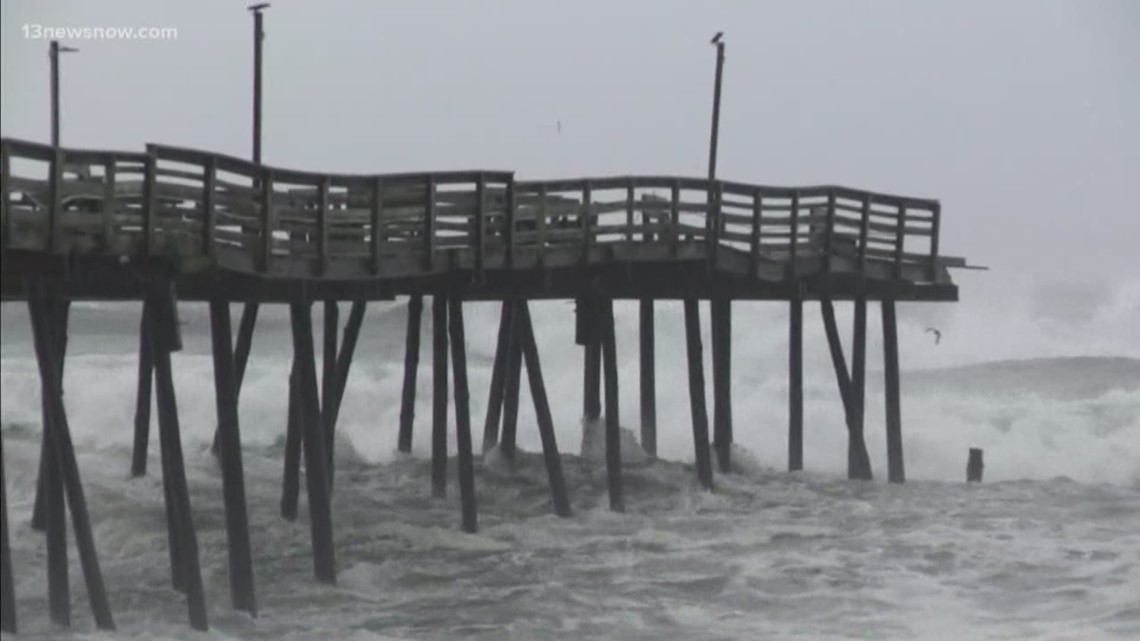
point(796, 385)
point(8, 622)
point(49, 346)
point(858, 461)
point(165, 339)
point(328, 376)
point(291, 477)
point(143, 398)
point(697, 393)
point(512, 382)
point(439, 396)
point(859, 464)
point(613, 429)
point(313, 439)
point(498, 378)
point(466, 461)
point(647, 362)
point(58, 311)
point(975, 466)
point(542, 412)
point(721, 319)
point(233, 475)
point(411, 365)
point(242, 349)
point(896, 471)
point(330, 407)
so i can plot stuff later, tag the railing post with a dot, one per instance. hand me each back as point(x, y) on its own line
point(629, 211)
point(267, 218)
point(480, 224)
point(55, 189)
point(108, 204)
point(150, 201)
point(757, 223)
point(794, 236)
point(209, 219)
point(829, 230)
point(376, 222)
point(509, 256)
point(541, 226)
point(323, 226)
point(675, 216)
point(712, 221)
point(587, 221)
point(935, 225)
point(900, 239)
point(5, 181)
point(864, 226)
point(429, 224)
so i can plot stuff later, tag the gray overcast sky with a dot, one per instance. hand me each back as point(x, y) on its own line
point(1023, 117)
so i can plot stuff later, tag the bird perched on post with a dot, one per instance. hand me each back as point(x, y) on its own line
point(716, 38)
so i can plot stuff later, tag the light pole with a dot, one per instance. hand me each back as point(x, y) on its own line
point(719, 43)
point(244, 341)
point(53, 53)
point(258, 36)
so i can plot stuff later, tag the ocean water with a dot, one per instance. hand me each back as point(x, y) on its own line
point(1048, 547)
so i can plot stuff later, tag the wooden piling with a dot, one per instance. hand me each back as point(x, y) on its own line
point(242, 349)
point(498, 378)
point(49, 348)
point(411, 364)
point(896, 471)
point(8, 621)
point(857, 456)
point(542, 412)
point(313, 438)
point(439, 396)
point(974, 466)
point(796, 385)
point(330, 409)
point(142, 398)
point(513, 376)
point(59, 313)
point(164, 333)
point(858, 465)
point(49, 510)
point(613, 428)
point(462, 414)
point(648, 377)
point(55, 522)
point(233, 476)
point(330, 328)
point(721, 319)
point(592, 380)
point(697, 393)
point(291, 478)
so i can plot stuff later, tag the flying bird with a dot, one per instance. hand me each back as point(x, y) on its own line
point(258, 7)
point(717, 37)
point(937, 335)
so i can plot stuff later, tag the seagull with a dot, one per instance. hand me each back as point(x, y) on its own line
point(717, 37)
point(937, 335)
point(258, 7)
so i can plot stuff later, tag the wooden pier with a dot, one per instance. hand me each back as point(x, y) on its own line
point(170, 224)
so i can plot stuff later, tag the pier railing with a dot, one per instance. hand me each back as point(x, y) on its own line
point(212, 209)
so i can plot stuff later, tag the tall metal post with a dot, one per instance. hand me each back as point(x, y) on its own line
point(53, 53)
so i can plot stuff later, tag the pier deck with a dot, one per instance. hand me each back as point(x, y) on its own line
point(171, 224)
point(217, 223)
